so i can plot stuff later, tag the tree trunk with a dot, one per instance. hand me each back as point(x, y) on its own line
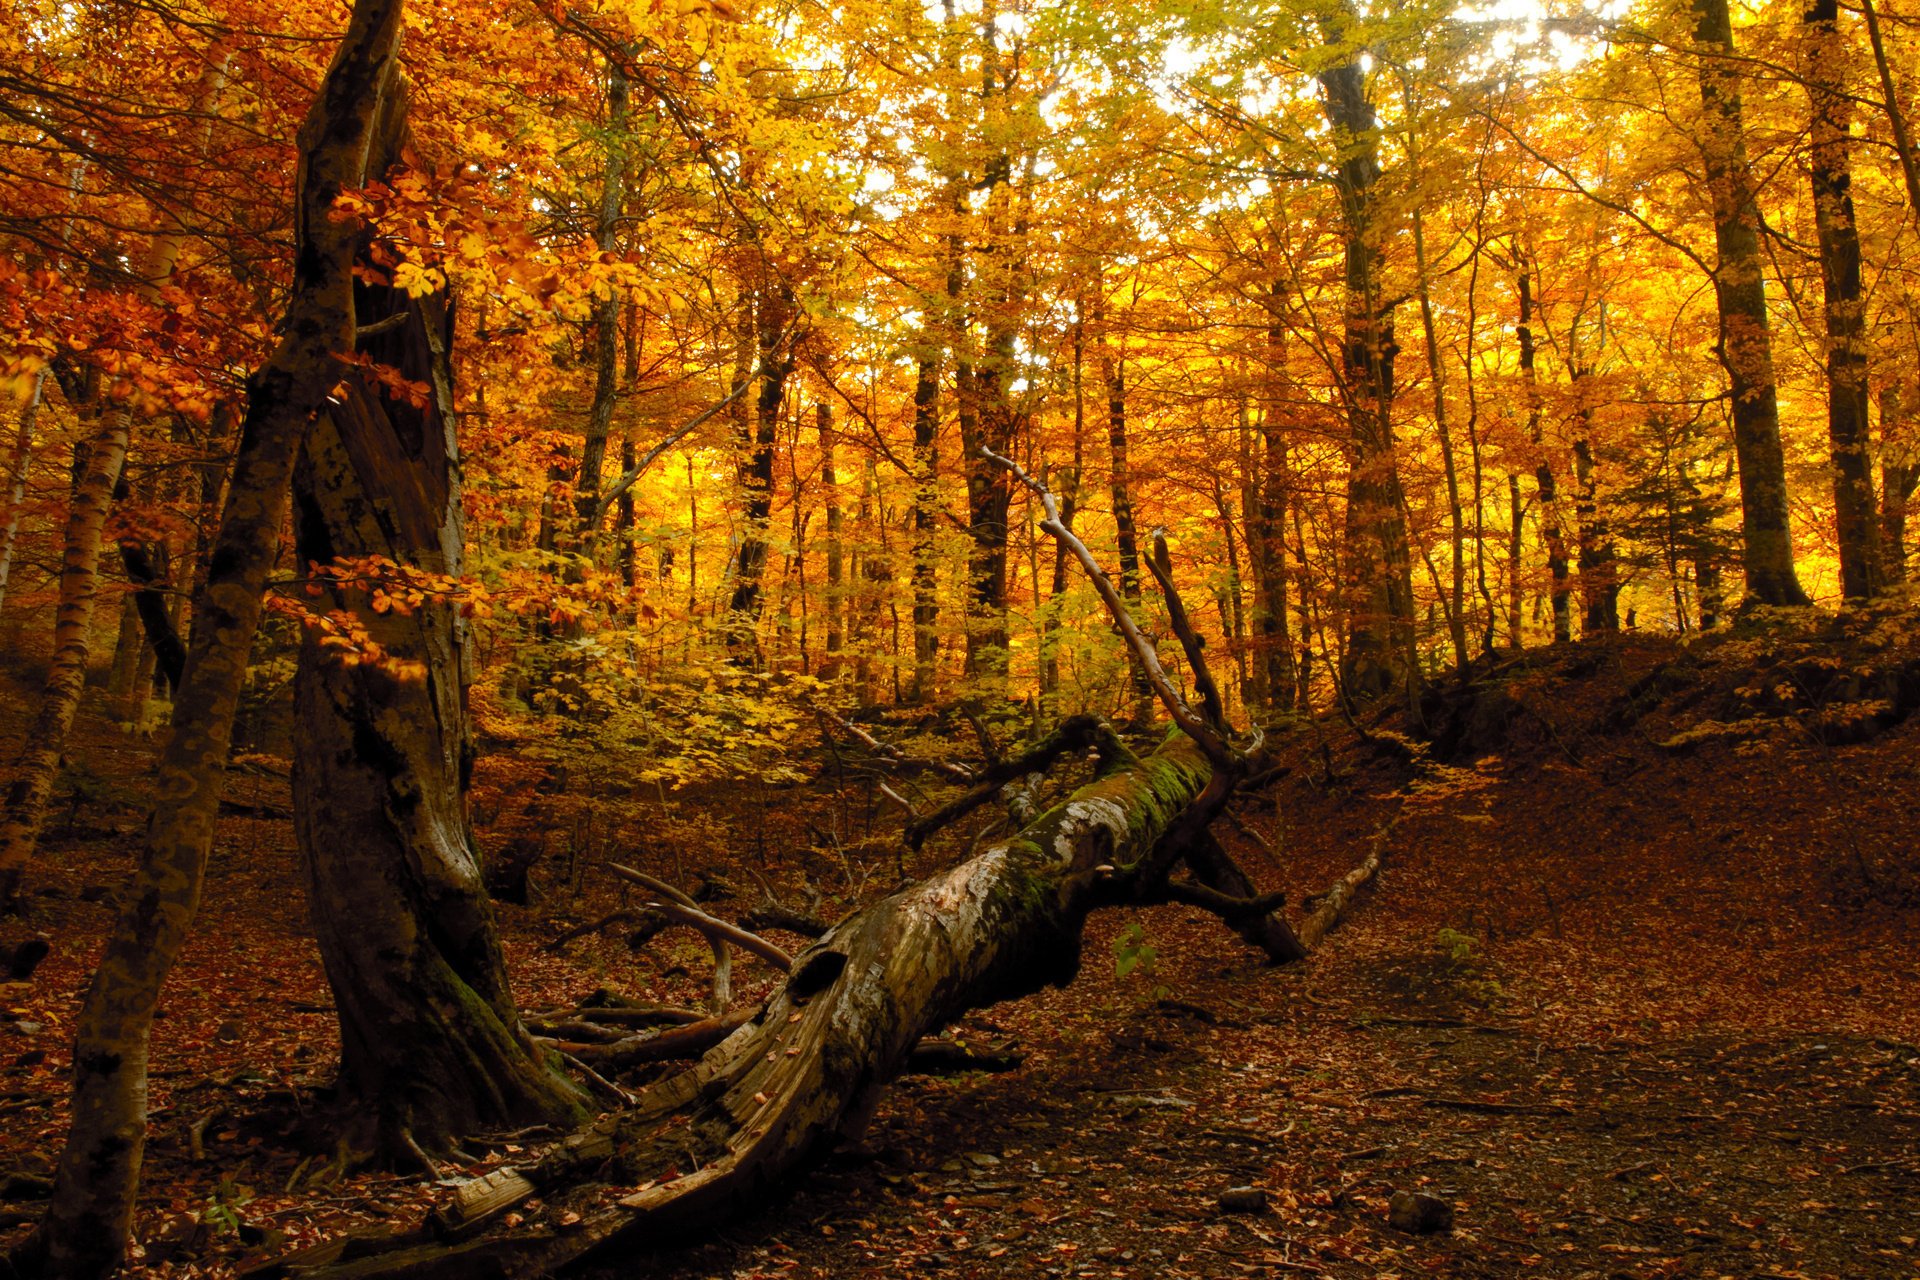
point(1552, 525)
point(810, 1067)
point(39, 761)
point(836, 589)
point(1746, 342)
point(1379, 658)
point(1266, 522)
point(17, 479)
point(1857, 526)
point(606, 313)
point(1120, 490)
point(85, 1230)
point(1899, 477)
point(1516, 540)
point(431, 1044)
point(1456, 599)
point(773, 309)
point(926, 508)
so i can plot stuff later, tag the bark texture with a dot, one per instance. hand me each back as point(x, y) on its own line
point(1379, 658)
point(39, 762)
point(1746, 339)
point(1857, 524)
point(431, 1044)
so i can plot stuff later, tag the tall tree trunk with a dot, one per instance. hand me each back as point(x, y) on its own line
point(1552, 518)
point(606, 311)
point(1067, 486)
point(1266, 520)
point(1746, 341)
point(1456, 607)
point(17, 479)
point(1120, 490)
point(39, 761)
point(85, 1230)
point(1857, 524)
point(1599, 567)
point(926, 510)
point(1899, 477)
point(836, 588)
point(1380, 652)
point(431, 1045)
point(773, 311)
point(1259, 691)
point(1516, 541)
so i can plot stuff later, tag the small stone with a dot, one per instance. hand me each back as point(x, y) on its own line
point(1419, 1214)
point(28, 1028)
point(1243, 1200)
point(982, 1159)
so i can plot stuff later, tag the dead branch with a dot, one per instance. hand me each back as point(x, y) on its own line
point(689, 1041)
point(937, 1057)
point(1215, 870)
point(1340, 893)
point(1223, 905)
point(771, 915)
point(686, 913)
point(581, 931)
point(1075, 733)
point(1160, 563)
point(1218, 752)
point(890, 753)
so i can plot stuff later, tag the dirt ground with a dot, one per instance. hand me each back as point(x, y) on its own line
point(1633, 1007)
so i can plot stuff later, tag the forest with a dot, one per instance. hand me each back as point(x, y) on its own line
point(986, 638)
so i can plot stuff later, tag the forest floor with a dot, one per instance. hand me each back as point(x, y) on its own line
point(1637, 992)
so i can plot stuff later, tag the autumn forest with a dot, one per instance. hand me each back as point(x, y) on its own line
point(958, 637)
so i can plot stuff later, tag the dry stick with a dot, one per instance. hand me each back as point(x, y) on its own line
point(898, 799)
point(581, 931)
point(1160, 563)
point(1193, 725)
point(721, 994)
point(689, 914)
point(1340, 893)
point(600, 1084)
point(682, 1042)
point(1224, 905)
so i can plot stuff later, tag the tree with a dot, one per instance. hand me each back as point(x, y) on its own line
point(1745, 345)
point(431, 1044)
point(1848, 397)
point(85, 1229)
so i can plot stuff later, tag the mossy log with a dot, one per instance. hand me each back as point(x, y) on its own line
point(809, 1068)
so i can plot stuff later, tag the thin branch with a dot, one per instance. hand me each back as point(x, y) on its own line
point(1160, 564)
point(681, 908)
point(1193, 725)
point(627, 478)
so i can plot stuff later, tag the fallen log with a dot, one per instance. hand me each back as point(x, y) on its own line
point(807, 1069)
